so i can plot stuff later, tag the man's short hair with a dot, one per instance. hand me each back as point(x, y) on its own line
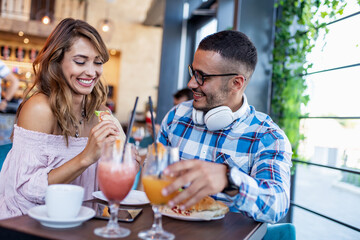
point(233, 46)
point(186, 92)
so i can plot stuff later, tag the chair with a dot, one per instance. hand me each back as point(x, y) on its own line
point(280, 231)
point(4, 149)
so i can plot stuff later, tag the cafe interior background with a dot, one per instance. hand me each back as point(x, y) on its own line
point(307, 79)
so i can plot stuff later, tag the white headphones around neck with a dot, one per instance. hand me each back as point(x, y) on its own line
point(219, 117)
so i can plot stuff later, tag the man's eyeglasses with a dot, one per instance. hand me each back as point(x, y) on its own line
point(201, 77)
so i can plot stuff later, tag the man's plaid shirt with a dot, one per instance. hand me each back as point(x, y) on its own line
point(253, 144)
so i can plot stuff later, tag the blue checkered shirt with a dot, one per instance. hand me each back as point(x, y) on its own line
point(253, 144)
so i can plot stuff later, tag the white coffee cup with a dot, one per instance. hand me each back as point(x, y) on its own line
point(63, 201)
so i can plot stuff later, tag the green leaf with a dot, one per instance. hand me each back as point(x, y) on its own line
point(324, 14)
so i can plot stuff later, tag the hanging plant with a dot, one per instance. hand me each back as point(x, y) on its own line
point(295, 36)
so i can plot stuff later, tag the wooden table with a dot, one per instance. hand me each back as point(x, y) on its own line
point(232, 226)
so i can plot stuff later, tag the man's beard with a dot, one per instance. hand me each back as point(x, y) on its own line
point(214, 100)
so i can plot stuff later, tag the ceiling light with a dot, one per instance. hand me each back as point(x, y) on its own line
point(105, 27)
point(113, 52)
point(45, 20)
point(28, 74)
point(45, 14)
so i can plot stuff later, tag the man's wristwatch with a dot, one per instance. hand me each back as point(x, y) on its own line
point(233, 178)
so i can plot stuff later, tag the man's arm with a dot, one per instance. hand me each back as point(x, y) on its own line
point(262, 195)
point(265, 194)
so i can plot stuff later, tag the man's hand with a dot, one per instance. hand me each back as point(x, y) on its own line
point(204, 178)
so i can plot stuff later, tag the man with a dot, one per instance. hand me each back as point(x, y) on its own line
point(227, 149)
point(14, 84)
point(182, 95)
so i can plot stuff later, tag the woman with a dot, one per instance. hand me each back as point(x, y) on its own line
point(57, 136)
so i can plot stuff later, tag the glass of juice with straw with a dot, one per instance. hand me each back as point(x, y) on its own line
point(154, 181)
point(116, 173)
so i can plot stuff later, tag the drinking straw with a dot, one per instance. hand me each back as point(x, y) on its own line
point(129, 128)
point(153, 126)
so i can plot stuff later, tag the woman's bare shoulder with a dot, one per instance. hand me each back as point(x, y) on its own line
point(36, 115)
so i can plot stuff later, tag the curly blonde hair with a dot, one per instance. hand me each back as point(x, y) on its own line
point(50, 80)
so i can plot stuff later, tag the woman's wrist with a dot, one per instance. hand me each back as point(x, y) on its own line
point(85, 160)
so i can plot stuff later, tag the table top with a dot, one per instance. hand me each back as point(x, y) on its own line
point(232, 226)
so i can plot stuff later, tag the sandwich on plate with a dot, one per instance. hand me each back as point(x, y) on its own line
point(206, 209)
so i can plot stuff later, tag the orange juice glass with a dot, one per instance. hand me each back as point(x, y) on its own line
point(154, 181)
point(153, 186)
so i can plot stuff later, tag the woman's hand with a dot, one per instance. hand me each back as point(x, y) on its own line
point(105, 131)
point(66, 173)
point(137, 158)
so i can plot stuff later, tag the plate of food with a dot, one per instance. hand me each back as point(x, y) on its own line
point(206, 210)
point(135, 197)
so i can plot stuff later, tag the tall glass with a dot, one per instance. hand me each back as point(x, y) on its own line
point(116, 177)
point(138, 136)
point(154, 181)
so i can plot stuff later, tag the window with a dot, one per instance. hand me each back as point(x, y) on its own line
point(209, 28)
point(333, 87)
point(332, 133)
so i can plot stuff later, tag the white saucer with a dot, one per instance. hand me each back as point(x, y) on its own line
point(135, 197)
point(39, 213)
